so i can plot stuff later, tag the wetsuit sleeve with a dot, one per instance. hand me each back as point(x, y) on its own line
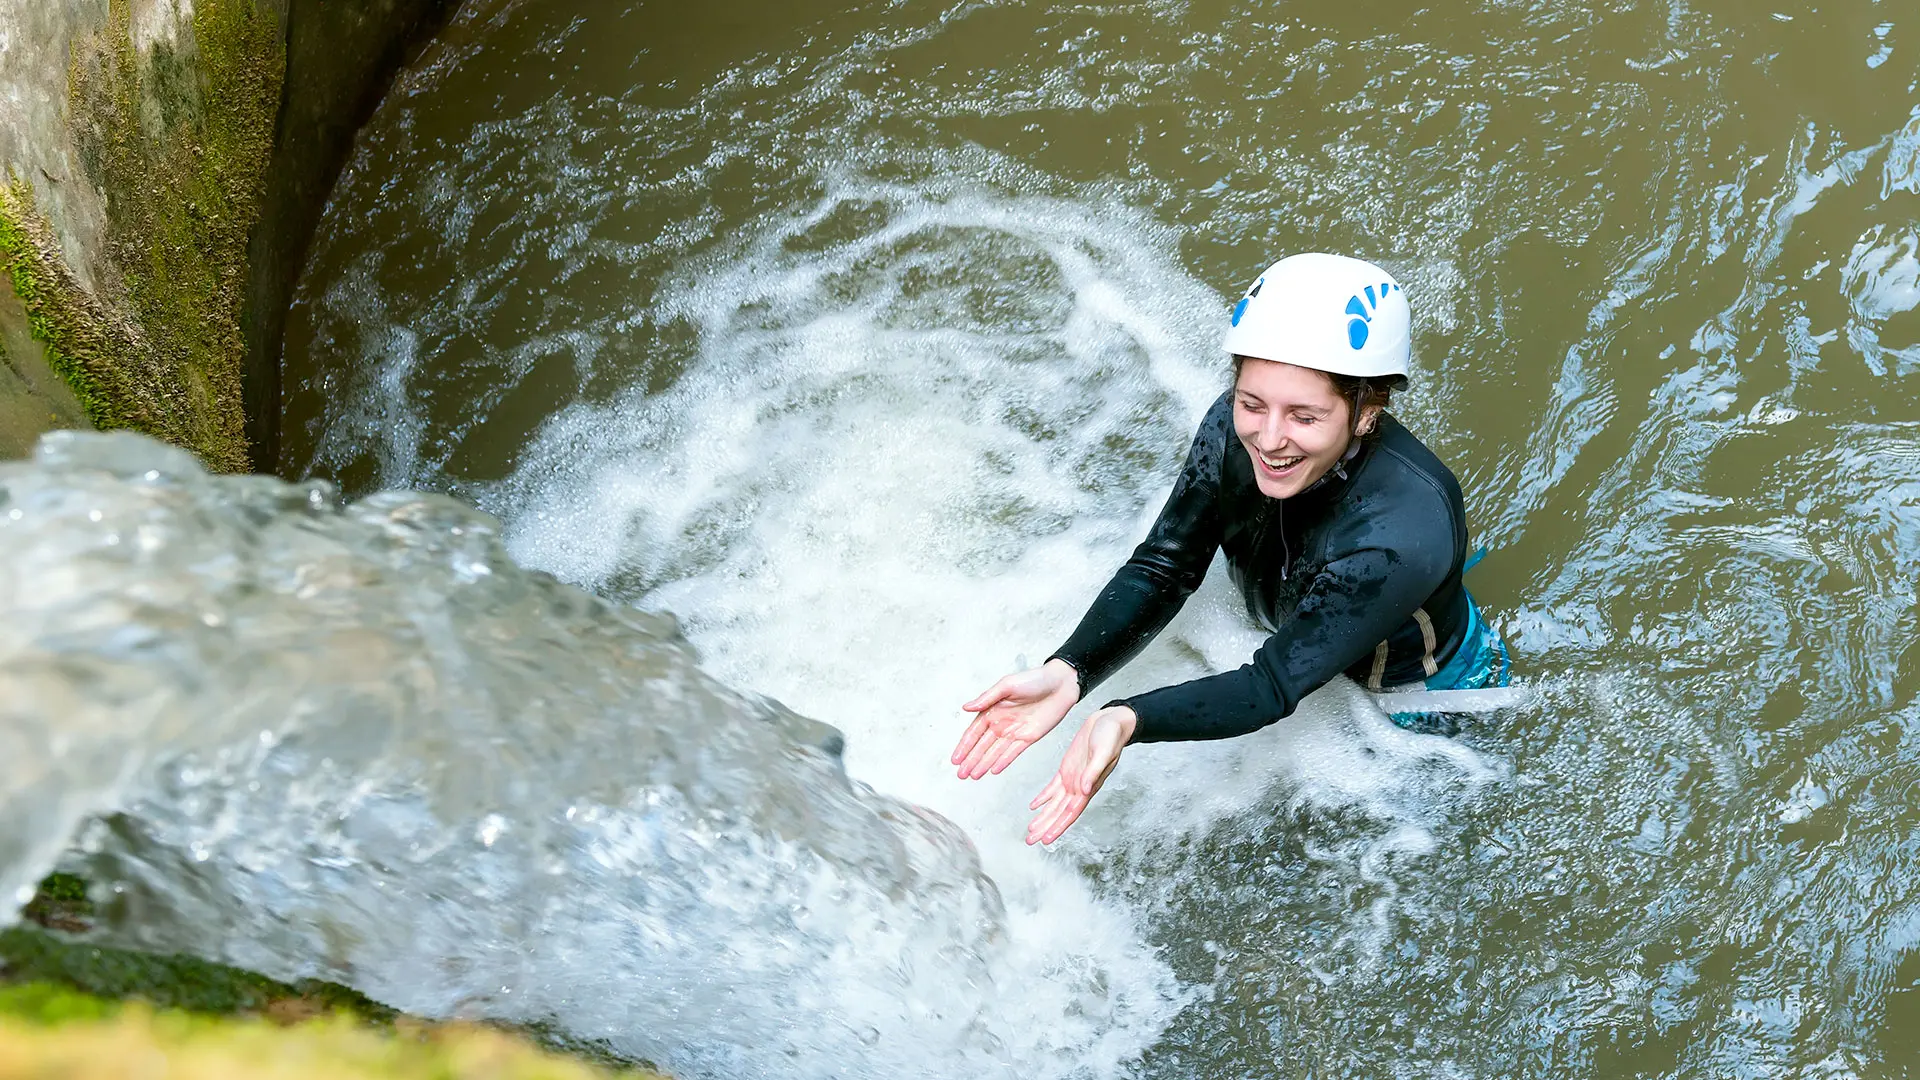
point(1355, 603)
point(1146, 593)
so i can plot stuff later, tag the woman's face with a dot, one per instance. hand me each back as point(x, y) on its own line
point(1293, 424)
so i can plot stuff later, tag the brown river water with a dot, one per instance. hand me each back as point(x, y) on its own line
point(863, 337)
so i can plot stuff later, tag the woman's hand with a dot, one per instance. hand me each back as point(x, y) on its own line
point(1091, 756)
point(1013, 714)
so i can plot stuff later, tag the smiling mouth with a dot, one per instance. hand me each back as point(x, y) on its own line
point(1280, 464)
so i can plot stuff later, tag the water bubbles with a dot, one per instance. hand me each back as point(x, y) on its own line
point(1800, 804)
point(491, 828)
point(426, 738)
point(1882, 281)
point(1768, 412)
point(1902, 169)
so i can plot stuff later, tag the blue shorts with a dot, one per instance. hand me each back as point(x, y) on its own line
point(1480, 662)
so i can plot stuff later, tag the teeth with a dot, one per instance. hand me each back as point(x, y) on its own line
point(1282, 464)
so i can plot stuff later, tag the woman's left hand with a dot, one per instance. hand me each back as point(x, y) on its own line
point(1091, 756)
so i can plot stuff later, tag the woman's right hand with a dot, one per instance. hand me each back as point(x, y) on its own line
point(1013, 714)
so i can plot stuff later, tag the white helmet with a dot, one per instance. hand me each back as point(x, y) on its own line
point(1326, 312)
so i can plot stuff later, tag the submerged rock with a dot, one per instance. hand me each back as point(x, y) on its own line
point(358, 743)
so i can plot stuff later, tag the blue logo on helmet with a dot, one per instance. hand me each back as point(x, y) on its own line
point(1363, 313)
point(1240, 308)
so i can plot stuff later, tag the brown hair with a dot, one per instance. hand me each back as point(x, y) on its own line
point(1359, 391)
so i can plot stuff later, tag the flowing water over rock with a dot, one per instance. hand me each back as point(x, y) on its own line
point(362, 744)
point(865, 339)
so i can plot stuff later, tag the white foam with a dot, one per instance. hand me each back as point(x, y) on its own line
point(1881, 280)
point(379, 415)
point(869, 500)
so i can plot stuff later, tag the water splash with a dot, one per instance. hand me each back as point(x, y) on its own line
point(879, 470)
point(359, 743)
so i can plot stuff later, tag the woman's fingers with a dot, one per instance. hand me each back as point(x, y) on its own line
point(974, 765)
point(1009, 716)
point(1047, 794)
point(995, 751)
point(1085, 766)
point(1102, 755)
point(1058, 803)
point(985, 699)
point(991, 696)
point(969, 739)
point(1095, 775)
point(1008, 750)
point(1075, 774)
point(1056, 818)
point(994, 740)
point(1074, 761)
point(979, 736)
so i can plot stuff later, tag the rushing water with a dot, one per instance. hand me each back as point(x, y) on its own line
point(864, 339)
point(362, 743)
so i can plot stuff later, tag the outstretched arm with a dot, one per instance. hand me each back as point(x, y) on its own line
point(1352, 605)
point(1146, 593)
point(1136, 604)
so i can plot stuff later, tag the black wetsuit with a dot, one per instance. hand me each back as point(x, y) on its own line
point(1334, 572)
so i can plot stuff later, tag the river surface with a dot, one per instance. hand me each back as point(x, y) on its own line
point(866, 338)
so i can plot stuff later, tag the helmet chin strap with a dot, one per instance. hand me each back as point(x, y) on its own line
point(1339, 470)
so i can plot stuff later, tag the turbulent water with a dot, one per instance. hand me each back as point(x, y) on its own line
point(864, 339)
point(360, 743)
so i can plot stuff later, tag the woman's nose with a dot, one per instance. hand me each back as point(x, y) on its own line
point(1273, 434)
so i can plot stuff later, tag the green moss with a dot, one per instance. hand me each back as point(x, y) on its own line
point(179, 139)
point(60, 904)
point(79, 342)
point(55, 976)
point(50, 978)
point(46, 1003)
point(64, 889)
point(47, 1031)
point(48, 959)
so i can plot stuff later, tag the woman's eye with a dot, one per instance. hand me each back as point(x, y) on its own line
point(1306, 419)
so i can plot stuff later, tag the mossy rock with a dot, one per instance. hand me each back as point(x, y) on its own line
point(29, 954)
point(51, 976)
point(51, 1032)
point(178, 138)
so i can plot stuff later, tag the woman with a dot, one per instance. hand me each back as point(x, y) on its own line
point(1345, 534)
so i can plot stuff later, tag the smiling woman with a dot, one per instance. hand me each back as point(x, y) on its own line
point(1346, 536)
point(1298, 423)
